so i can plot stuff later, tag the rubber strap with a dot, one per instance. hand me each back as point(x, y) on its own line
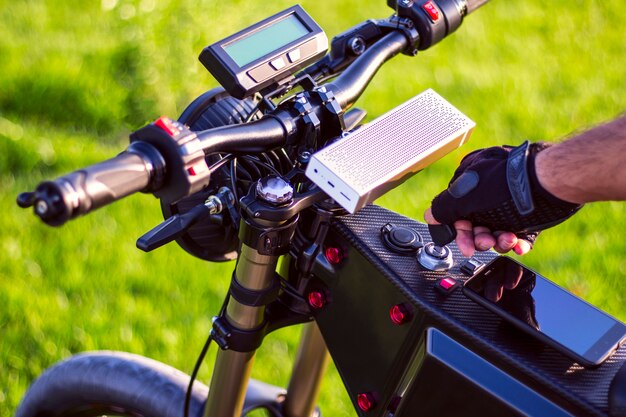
point(517, 179)
point(254, 298)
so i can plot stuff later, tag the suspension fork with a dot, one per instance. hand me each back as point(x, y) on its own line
point(232, 369)
point(268, 222)
point(265, 233)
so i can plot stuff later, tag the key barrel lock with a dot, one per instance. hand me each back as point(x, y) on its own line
point(401, 239)
point(435, 258)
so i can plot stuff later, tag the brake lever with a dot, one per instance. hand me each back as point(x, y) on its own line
point(172, 228)
point(175, 226)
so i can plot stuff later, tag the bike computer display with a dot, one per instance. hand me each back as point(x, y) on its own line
point(266, 52)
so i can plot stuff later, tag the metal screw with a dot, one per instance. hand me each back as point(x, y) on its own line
point(41, 207)
point(214, 204)
point(357, 45)
point(304, 157)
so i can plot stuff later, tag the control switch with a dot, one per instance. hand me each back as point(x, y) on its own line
point(470, 266)
point(435, 258)
point(401, 239)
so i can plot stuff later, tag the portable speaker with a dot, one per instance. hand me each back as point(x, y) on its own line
point(368, 162)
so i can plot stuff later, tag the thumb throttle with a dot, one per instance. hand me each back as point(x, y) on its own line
point(442, 234)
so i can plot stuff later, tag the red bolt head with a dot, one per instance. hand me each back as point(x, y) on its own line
point(317, 299)
point(334, 255)
point(399, 314)
point(366, 401)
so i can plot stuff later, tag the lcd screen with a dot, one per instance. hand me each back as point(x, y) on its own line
point(546, 308)
point(265, 41)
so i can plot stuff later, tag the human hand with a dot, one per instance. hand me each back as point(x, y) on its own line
point(494, 200)
point(470, 238)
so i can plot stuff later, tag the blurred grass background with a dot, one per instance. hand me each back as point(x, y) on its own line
point(78, 76)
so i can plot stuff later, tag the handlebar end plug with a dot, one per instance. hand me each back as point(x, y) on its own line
point(26, 199)
point(47, 202)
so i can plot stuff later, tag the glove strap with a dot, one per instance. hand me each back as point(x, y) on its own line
point(517, 178)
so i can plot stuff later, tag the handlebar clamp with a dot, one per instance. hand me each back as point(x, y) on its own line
point(407, 27)
point(271, 241)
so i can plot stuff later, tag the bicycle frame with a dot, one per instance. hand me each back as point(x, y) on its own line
point(449, 354)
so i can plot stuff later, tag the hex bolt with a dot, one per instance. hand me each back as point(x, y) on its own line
point(214, 204)
point(357, 45)
point(304, 157)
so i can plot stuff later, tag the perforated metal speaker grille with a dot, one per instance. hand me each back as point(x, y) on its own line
point(388, 142)
point(377, 157)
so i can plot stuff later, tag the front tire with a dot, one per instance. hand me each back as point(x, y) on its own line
point(111, 383)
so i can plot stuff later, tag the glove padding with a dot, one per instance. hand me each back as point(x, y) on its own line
point(498, 188)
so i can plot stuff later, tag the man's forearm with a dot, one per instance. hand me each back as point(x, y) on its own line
point(588, 167)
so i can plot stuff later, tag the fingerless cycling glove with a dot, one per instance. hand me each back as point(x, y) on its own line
point(498, 188)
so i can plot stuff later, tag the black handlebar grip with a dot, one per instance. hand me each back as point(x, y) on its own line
point(137, 169)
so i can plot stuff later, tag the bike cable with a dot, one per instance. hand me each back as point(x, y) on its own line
point(199, 361)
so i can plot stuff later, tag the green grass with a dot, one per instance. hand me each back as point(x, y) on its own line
point(77, 77)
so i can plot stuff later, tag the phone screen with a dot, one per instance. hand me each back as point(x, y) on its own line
point(541, 307)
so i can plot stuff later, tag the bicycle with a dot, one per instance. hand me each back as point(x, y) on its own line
point(363, 248)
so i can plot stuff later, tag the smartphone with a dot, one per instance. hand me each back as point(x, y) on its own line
point(546, 311)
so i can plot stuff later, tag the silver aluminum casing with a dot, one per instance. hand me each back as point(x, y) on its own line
point(379, 156)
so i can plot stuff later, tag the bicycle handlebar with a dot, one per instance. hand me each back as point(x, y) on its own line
point(142, 167)
point(258, 136)
point(349, 86)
